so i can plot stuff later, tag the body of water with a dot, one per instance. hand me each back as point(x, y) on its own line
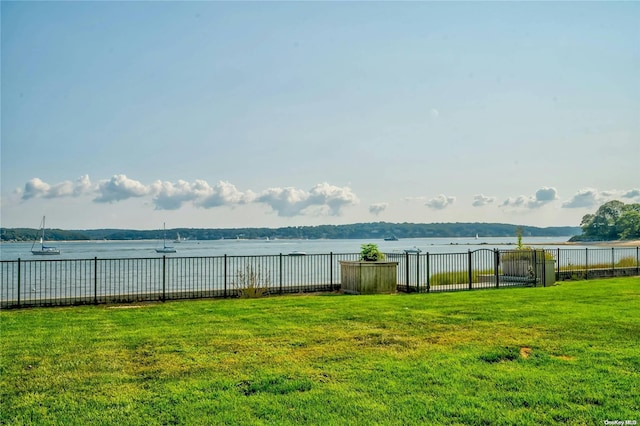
point(146, 249)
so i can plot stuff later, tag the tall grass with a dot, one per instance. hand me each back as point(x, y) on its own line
point(457, 277)
point(564, 354)
point(625, 262)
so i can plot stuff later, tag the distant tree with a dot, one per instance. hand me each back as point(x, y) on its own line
point(613, 220)
point(628, 224)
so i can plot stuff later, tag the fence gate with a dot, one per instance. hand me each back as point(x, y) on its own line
point(484, 268)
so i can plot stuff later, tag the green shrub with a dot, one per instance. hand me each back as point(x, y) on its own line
point(370, 253)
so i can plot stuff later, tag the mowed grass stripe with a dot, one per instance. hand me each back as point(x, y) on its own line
point(568, 353)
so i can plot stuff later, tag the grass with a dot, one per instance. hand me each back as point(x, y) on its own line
point(458, 277)
point(562, 354)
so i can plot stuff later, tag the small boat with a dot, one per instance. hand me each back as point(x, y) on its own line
point(297, 253)
point(43, 250)
point(476, 236)
point(178, 240)
point(165, 248)
point(414, 250)
point(391, 238)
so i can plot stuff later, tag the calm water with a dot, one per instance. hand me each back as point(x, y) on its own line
point(146, 249)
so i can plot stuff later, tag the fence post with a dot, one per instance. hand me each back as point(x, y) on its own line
point(613, 262)
point(428, 274)
point(544, 274)
point(95, 280)
point(280, 277)
point(225, 275)
point(330, 271)
point(417, 272)
point(558, 266)
point(164, 275)
point(470, 271)
point(496, 266)
point(637, 260)
point(19, 282)
point(406, 268)
point(586, 263)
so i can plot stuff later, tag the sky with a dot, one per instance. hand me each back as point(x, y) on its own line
point(273, 114)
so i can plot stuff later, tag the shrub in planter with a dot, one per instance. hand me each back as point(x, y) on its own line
point(369, 275)
point(370, 253)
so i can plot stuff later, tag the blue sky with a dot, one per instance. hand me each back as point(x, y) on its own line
point(247, 114)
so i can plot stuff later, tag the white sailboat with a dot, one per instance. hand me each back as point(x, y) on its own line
point(165, 248)
point(43, 250)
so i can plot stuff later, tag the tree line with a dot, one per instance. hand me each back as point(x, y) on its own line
point(375, 230)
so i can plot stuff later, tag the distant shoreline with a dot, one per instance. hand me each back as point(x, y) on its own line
point(615, 243)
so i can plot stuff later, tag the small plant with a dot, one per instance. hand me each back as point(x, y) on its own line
point(523, 252)
point(250, 282)
point(370, 253)
point(519, 245)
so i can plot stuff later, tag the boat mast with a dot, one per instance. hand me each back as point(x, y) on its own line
point(42, 239)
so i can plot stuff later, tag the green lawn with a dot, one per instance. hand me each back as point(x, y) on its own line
point(565, 354)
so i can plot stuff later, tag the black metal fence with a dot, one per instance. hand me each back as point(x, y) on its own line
point(52, 282)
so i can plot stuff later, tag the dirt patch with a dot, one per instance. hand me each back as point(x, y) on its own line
point(525, 352)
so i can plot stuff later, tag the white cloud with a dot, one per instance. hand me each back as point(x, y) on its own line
point(333, 197)
point(480, 200)
point(221, 194)
point(440, 202)
point(544, 195)
point(378, 208)
point(119, 188)
point(632, 194)
point(515, 202)
point(36, 188)
point(323, 198)
point(592, 198)
point(83, 186)
point(286, 201)
point(170, 196)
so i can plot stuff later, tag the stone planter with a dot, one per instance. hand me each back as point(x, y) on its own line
point(524, 268)
point(549, 271)
point(368, 277)
point(517, 267)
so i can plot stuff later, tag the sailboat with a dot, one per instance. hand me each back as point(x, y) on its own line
point(165, 248)
point(178, 240)
point(43, 250)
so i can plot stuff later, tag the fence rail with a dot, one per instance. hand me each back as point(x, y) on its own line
point(51, 282)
